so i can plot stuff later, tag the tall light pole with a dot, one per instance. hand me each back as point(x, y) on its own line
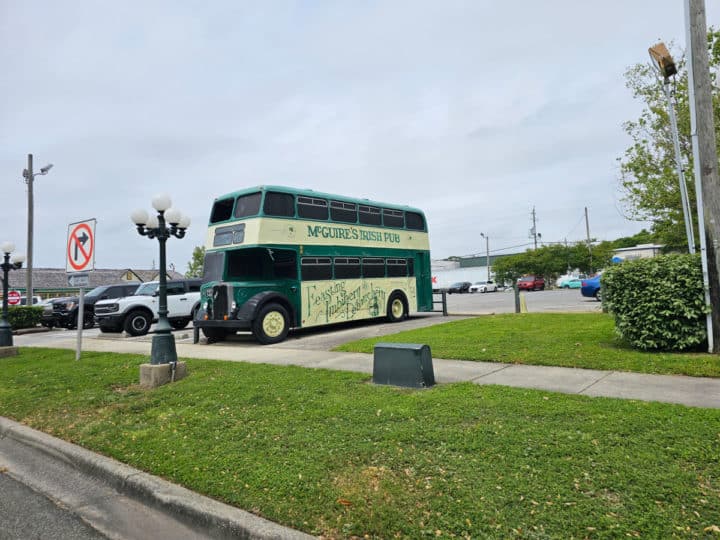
point(7, 248)
point(163, 342)
point(487, 254)
point(29, 176)
point(665, 67)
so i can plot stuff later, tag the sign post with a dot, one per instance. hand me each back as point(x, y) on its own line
point(80, 253)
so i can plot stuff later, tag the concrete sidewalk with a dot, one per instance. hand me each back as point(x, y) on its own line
point(691, 391)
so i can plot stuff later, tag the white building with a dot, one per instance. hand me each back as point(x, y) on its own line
point(641, 251)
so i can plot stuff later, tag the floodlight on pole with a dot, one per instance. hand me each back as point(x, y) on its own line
point(29, 176)
point(665, 67)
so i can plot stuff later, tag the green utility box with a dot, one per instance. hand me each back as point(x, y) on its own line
point(403, 364)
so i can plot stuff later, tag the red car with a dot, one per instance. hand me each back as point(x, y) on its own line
point(531, 283)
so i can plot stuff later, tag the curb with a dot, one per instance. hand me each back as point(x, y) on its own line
point(214, 518)
point(32, 330)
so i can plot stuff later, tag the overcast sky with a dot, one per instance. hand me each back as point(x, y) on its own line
point(475, 111)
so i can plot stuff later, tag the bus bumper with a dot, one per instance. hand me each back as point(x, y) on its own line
point(230, 324)
point(240, 323)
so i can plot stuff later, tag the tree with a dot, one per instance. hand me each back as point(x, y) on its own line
point(553, 260)
point(195, 266)
point(648, 173)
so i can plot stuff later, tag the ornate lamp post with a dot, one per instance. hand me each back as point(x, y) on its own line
point(168, 222)
point(7, 248)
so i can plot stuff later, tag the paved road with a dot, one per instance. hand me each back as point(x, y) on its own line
point(25, 514)
point(327, 337)
point(559, 300)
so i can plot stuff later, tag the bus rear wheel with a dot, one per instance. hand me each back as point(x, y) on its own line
point(396, 310)
point(271, 324)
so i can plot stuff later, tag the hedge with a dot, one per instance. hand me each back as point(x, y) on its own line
point(659, 303)
point(24, 316)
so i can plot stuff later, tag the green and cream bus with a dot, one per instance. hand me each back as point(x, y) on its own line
point(278, 258)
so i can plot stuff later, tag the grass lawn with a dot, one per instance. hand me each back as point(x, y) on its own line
point(330, 454)
point(583, 340)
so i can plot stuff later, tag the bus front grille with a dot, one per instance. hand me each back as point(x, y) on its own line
point(220, 302)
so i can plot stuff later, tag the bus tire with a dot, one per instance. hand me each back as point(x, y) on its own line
point(396, 308)
point(271, 324)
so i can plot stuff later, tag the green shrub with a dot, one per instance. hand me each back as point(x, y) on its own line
point(658, 303)
point(24, 316)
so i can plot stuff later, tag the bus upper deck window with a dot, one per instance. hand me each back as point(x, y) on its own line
point(279, 204)
point(221, 210)
point(343, 211)
point(414, 221)
point(393, 218)
point(312, 207)
point(247, 205)
point(370, 215)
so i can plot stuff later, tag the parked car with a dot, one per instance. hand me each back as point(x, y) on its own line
point(484, 286)
point(459, 287)
point(35, 300)
point(562, 281)
point(136, 313)
point(531, 283)
point(65, 310)
point(591, 288)
point(572, 283)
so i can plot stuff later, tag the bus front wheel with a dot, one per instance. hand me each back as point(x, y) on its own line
point(396, 310)
point(271, 324)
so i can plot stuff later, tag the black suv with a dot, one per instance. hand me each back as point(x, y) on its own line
point(65, 310)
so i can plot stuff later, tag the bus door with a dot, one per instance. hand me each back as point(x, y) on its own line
point(423, 282)
point(284, 265)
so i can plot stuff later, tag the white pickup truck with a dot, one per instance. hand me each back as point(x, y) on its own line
point(136, 313)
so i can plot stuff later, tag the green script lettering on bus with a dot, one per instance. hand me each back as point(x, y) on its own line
point(351, 233)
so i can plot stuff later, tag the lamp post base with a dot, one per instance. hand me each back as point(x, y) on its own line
point(154, 375)
point(6, 337)
point(163, 349)
point(8, 351)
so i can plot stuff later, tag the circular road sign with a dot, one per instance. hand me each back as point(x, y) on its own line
point(13, 298)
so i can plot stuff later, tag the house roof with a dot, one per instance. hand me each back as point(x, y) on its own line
point(57, 278)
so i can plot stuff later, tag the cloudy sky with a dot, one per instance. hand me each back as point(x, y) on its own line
point(475, 111)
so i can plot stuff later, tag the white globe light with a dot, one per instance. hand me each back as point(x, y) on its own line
point(7, 247)
point(161, 202)
point(184, 222)
point(173, 216)
point(139, 217)
point(152, 222)
point(18, 258)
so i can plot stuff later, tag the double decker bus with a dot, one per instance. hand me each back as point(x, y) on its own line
point(279, 258)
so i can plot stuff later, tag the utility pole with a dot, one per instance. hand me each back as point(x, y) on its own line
point(567, 254)
point(533, 231)
point(587, 233)
point(28, 273)
point(487, 254)
point(705, 163)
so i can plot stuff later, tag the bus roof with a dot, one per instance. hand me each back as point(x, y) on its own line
point(312, 193)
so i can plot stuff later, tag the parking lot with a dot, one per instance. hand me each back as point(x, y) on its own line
point(327, 337)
